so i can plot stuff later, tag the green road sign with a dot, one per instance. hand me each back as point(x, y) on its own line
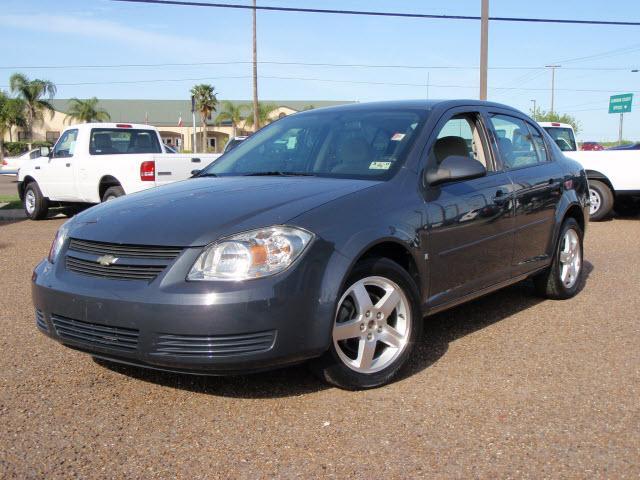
point(620, 103)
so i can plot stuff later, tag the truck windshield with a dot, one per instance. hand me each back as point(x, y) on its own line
point(563, 137)
point(350, 143)
point(110, 141)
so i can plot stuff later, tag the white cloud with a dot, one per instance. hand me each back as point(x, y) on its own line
point(108, 30)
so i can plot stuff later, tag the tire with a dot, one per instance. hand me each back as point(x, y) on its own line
point(563, 278)
point(601, 199)
point(112, 193)
point(372, 341)
point(36, 206)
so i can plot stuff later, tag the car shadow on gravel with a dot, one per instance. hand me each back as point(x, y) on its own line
point(439, 331)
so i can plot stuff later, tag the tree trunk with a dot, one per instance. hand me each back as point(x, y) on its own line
point(204, 135)
point(233, 126)
point(1, 148)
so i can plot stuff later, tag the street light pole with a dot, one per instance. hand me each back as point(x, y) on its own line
point(553, 83)
point(534, 109)
point(255, 71)
point(484, 48)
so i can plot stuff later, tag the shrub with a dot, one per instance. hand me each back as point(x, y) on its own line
point(16, 148)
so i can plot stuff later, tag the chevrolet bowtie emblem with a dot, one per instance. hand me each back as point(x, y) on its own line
point(107, 260)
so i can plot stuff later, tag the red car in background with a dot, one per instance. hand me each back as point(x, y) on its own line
point(591, 146)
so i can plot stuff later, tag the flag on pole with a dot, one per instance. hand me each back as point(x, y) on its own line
point(180, 124)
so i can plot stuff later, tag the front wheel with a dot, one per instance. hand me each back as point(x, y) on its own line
point(376, 325)
point(563, 278)
point(601, 200)
point(36, 206)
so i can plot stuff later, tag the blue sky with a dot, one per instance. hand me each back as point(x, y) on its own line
point(91, 32)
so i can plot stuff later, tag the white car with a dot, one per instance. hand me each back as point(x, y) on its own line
point(11, 165)
point(614, 175)
point(97, 162)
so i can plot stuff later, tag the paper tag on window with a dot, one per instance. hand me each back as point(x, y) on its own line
point(379, 165)
point(397, 137)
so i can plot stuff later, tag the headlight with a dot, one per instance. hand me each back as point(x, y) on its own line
point(58, 242)
point(253, 254)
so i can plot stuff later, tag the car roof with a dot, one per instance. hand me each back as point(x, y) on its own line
point(139, 126)
point(412, 104)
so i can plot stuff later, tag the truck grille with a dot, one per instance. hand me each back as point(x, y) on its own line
point(94, 334)
point(118, 262)
point(214, 346)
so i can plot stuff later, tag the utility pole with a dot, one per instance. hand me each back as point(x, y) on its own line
point(256, 126)
point(553, 83)
point(484, 47)
point(194, 147)
point(534, 109)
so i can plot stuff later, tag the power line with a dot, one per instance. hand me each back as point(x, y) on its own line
point(380, 14)
point(304, 64)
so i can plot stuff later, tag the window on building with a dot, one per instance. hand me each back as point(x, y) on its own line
point(212, 142)
point(22, 136)
point(52, 136)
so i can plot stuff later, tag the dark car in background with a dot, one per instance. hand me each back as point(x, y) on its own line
point(326, 236)
point(630, 146)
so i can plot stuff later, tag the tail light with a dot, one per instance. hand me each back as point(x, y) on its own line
point(148, 171)
point(4, 163)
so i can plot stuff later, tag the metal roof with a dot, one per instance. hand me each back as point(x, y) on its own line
point(167, 112)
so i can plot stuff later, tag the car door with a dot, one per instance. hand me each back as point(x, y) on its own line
point(59, 171)
point(470, 222)
point(537, 181)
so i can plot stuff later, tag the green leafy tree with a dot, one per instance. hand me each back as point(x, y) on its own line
point(311, 106)
point(233, 113)
point(206, 103)
point(86, 111)
point(36, 95)
point(543, 116)
point(11, 114)
point(264, 109)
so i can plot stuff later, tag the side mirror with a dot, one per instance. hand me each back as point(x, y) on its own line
point(195, 172)
point(456, 167)
point(45, 151)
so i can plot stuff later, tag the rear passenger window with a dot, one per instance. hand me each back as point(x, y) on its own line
point(516, 143)
point(111, 141)
point(538, 142)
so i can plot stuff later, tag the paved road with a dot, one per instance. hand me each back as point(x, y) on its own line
point(509, 386)
point(8, 185)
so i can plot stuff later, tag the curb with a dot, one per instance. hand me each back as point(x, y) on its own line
point(12, 215)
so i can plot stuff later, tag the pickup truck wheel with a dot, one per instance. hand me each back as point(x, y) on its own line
point(563, 278)
point(376, 325)
point(601, 200)
point(112, 193)
point(36, 206)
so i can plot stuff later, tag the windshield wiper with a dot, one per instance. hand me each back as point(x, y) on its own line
point(277, 173)
point(206, 175)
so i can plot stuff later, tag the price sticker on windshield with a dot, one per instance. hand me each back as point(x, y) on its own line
point(380, 166)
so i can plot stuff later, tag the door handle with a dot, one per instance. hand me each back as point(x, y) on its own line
point(501, 197)
point(68, 164)
point(195, 160)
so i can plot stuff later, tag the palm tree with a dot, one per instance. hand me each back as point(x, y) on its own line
point(206, 103)
point(32, 93)
point(86, 111)
point(264, 110)
point(232, 113)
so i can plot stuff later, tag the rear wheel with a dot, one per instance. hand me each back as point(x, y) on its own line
point(563, 278)
point(36, 206)
point(112, 193)
point(376, 325)
point(601, 200)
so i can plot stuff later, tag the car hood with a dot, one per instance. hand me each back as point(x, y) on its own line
point(198, 211)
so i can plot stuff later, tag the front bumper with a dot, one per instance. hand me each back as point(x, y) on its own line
point(191, 327)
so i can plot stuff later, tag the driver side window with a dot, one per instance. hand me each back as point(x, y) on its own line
point(460, 136)
point(66, 145)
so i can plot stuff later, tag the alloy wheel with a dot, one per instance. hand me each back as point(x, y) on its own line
point(570, 258)
point(30, 201)
point(595, 200)
point(373, 324)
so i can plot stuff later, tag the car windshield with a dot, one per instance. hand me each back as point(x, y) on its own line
point(353, 143)
point(563, 137)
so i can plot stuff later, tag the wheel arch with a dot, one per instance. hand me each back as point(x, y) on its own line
point(105, 182)
point(596, 175)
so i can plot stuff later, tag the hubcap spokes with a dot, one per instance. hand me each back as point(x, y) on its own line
point(372, 324)
point(30, 201)
point(595, 201)
point(570, 259)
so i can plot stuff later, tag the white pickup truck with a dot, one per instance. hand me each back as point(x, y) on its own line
point(97, 162)
point(614, 175)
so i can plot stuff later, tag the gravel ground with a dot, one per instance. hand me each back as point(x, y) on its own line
point(508, 386)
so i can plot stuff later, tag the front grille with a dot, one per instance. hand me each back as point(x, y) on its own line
point(40, 321)
point(94, 334)
point(118, 250)
point(118, 262)
point(214, 346)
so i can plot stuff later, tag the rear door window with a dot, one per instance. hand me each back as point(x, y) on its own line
point(113, 141)
point(515, 142)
